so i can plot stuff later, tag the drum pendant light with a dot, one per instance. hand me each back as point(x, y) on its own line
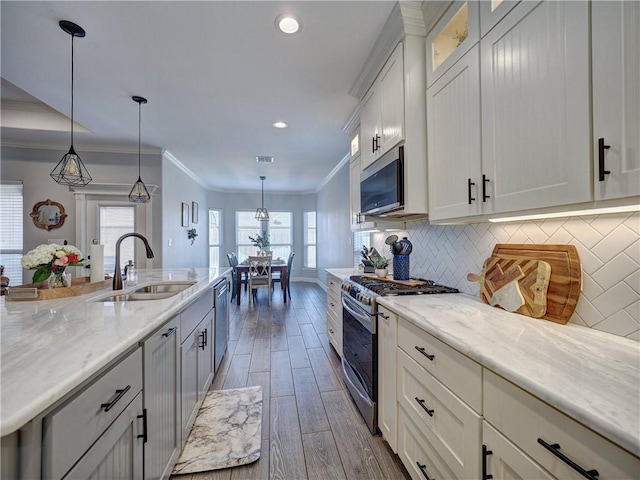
point(261, 213)
point(70, 170)
point(139, 192)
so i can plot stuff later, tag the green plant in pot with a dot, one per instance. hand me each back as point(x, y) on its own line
point(261, 241)
point(380, 263)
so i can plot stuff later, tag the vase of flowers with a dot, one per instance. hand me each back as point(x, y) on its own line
point(261, 241)
point(50, 261)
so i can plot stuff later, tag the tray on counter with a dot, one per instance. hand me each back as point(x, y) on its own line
point(41, 291)
point(407, 283)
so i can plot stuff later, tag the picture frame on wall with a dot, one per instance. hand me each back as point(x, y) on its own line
point(194, 212)
point(185, 214)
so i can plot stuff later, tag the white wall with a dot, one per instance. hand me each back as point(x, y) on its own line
point(297, 204)
point(32, 167)
point(608, 247)
point(178, 188)
point(334, 229)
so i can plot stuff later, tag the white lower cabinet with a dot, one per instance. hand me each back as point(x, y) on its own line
point(334, 312)
point(387, 348)
point(559, 444)
point(503, 460)
point(162, 399)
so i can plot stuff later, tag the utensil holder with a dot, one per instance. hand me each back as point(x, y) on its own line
point(401, 267)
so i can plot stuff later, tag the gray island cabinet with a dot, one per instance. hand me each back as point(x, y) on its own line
point(130, 418)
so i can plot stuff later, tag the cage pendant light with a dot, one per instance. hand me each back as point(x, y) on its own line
point(70, 170)
point(261, 213)
point(139, 192)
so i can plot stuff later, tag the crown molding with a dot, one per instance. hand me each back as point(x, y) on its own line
point(169, 156)
point(119, 189)
point(353, 122)
point(406, 18)
point(332, 173)
point(82, 148)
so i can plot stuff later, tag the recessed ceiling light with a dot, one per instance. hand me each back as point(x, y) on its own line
point(287, 24)
point(279, 124)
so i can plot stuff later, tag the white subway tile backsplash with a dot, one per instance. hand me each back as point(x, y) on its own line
point(608, 246)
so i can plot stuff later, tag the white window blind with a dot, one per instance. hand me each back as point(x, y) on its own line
point(280, 234)
point(215, 237)
point(11, 231)
point(115, 221)
point(246, 226)
point(310, 239)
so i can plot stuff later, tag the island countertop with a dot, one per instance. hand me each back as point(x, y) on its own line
point(592, 376)
point(51, 347)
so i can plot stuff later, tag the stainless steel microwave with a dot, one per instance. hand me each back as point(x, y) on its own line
point(382, 184)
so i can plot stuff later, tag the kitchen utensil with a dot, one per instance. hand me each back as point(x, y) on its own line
point(533, 285)
point(565, 282)
point(391, 239)
point(509, 297)
point(406, 246)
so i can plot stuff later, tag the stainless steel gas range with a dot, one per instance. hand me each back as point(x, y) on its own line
point(360, 338)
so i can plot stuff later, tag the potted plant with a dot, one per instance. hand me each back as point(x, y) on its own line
point(261, 241)
point(381, 263)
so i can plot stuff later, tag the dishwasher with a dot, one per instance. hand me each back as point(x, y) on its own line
point(221, 320)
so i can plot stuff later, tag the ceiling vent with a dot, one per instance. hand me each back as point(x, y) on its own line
point(263, 159)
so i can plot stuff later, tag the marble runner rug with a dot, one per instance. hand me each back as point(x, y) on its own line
point(226, 432)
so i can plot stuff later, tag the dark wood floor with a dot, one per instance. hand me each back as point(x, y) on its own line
point(310, 427)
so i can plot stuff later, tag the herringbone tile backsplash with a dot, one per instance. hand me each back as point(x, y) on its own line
point(608, 246)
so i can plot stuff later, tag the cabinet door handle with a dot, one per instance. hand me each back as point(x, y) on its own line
point(203, 336)
point(601, 148)
point(422, 351)
point(426, 409)
point(469, 185)
point(170, 332)
point(423, 469)
point(485, 453)
point(485, 180)
point(331, 331)
point(377, 142)
point(386, 317)
point(118, 395)
point(554, 448)
point(373, 144)
point(143, 435)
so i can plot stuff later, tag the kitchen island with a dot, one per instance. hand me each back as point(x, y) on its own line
point(53, 348)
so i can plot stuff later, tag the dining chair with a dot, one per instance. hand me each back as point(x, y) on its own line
point(259, 275)
point(275, 279)
point(233, 263)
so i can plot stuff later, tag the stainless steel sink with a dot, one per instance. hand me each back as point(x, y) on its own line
point(165, 287)
point(157, 291)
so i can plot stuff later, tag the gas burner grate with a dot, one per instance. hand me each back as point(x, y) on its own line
point(380, 287)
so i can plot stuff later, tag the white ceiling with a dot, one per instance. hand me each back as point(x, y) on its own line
point(216, 74)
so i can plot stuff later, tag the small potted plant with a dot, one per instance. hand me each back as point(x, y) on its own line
point(381, 263)
point(261, 241)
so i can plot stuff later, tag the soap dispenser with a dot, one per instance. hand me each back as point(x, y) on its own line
point(130, 273)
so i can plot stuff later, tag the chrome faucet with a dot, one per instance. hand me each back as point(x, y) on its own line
point(117, 276)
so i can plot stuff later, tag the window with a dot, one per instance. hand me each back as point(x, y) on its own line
point(113, 223)
point(11, 231)
point(310, 239)
point(280, 234)
point(246, 226)
point(360, 239)
point(215, 237)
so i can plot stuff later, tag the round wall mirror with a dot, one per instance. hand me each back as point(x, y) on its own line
point(48, 214)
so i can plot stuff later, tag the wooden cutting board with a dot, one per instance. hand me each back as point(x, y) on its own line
point(565, 283)
point(408, 283)
point(533, 280)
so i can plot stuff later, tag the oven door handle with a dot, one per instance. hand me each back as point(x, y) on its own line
point(365, 319)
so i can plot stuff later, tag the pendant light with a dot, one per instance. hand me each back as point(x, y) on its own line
point(139, 192)
point(261, 213)
point(70, 170)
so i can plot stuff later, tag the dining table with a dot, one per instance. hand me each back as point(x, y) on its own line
point(243, 268)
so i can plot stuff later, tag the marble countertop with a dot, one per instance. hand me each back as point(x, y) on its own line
point(48, 348)
point(592, 376)
point(343, 273)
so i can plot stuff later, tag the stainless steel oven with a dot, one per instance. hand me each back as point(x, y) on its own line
point(359, 358)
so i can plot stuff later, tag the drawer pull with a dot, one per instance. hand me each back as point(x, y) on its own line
point(485, 453)
point(555, 449)
point(119, 394)
point(421, 403)
point(143, 435)
point(169, 332)
point(423, 469)
point(421, 350)
point(204, 339)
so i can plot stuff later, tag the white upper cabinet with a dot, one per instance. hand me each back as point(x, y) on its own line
point(454, 152)
point(492, 11)
point(454, 34)
point(535, 108)
point(382, 116)
point(616, 98)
